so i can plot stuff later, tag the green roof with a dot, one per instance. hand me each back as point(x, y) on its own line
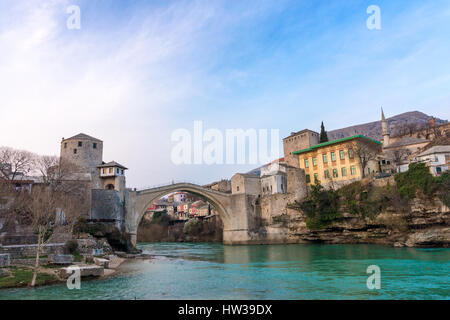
point(323, 144)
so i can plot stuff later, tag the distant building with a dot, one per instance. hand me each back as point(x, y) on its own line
point(243, 183)
point(273, 178)
point(180, 197)
point(338, 161)
point(222, 185)
point(437, 159)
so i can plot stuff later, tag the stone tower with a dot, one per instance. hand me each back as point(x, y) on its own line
point(298, 141)
point(384, 129)
point(86, 154)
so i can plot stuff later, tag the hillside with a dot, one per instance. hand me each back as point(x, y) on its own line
point(373, 129)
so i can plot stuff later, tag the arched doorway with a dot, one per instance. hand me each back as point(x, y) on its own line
point(109, 186)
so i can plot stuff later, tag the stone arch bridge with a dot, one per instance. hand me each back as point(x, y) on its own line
point(232, 209)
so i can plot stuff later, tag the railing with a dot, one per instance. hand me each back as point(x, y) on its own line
point(167, 184)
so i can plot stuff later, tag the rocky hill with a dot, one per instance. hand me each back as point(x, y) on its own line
point(373, 129)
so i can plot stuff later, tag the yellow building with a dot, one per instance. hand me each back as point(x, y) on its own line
point(340, 161)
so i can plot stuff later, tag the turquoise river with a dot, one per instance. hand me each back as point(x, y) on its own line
point(215, 271)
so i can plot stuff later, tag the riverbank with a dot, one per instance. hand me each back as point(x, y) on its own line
point(20, 275)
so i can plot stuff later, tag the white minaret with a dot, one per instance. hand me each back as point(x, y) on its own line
point(385, 129)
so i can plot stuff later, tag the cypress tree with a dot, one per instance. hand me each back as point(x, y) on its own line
point(323, 134)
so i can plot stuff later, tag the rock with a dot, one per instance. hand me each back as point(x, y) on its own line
point(61, 258)
point(398, 245)
point(430, 238)
point(85, 271)
point(102, 262)
point(5, 273)
point(121, 254)
point(94, 246)
point(4, 260)
point(88, 258)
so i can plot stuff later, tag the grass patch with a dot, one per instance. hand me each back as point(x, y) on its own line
point(77, 257)
point(21, 277)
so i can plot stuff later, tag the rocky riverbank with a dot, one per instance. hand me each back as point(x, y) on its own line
point(409, 210)
point(163, 229)
point(94, 257)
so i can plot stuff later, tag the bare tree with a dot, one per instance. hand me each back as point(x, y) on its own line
point(58, 192)
point(366, 154)
point(15, 162)
point(399, 155)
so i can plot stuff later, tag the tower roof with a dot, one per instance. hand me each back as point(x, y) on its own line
point(382, 114)
point(112, 164)
point(82, 136)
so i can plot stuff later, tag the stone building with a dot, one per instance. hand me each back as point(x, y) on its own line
point(244, 183)
point(86, 154)
point(437, 158)
point(273, 178)
point(297, 141)
point(106, 181)
point(112, 176)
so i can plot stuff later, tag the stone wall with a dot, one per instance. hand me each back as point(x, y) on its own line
point(106, 205)
point(29, 250)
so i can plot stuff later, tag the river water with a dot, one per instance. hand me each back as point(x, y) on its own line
point(215, 271)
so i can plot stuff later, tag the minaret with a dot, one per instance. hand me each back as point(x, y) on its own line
point(385, 129)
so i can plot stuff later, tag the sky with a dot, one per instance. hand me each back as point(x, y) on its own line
point(136, 71)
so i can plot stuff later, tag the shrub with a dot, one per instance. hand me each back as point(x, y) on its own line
point(192, 227)
point(417, 178)
point(321, 207)
point(443, 185)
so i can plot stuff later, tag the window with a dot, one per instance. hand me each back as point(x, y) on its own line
point(117, 170)
point(388, 162)
point(342, 154)
point(368, 170)
point(383, 161)
point(316, 178)
point(74, 151)
point(237, 188)
point(324, 156)
point(314, 161)
point(306, 163)
point(350, 153)
point(326, 174)
point(308, 179)
point(333, 156)
point(94, 145)
point(80, 143)
point(335, 173)
point(352, 170)
point(104, 170)
point(343, 171)
point(65, 145)
point(122, 171)
point(110, 170)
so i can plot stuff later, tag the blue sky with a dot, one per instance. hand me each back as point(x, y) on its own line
point(138, 70)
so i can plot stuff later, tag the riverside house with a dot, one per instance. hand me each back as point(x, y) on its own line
point(339, 161)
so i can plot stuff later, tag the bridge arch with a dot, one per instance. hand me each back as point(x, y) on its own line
point(139, 201)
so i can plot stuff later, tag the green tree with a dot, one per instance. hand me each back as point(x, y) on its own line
point(323, 134)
